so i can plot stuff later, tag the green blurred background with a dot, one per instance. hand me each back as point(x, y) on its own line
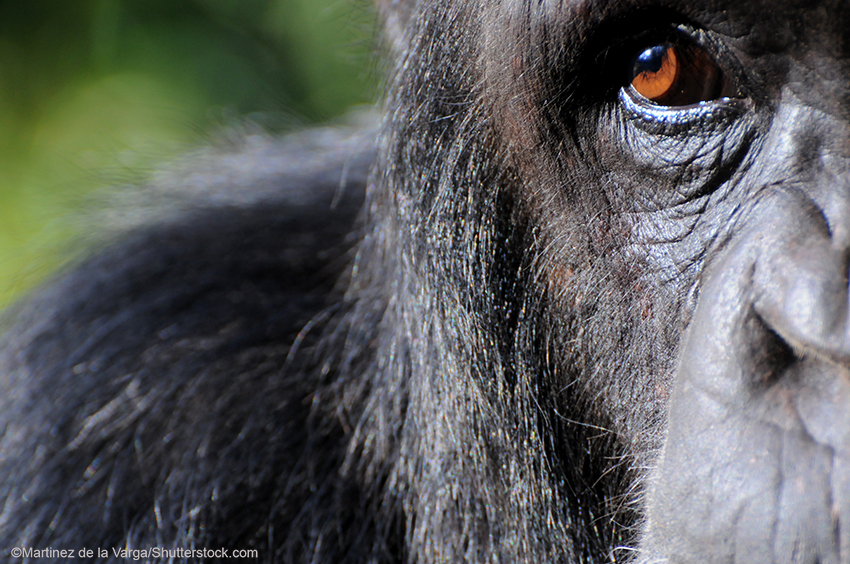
point(97, 92)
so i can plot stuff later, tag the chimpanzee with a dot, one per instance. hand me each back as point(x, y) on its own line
point(582, 296)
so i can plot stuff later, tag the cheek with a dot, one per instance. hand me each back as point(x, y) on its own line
point(616, 338)
point(559, 278)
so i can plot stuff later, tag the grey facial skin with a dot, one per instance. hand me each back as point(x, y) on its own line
point(540, 313)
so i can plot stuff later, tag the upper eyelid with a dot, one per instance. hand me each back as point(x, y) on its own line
point(621, 50)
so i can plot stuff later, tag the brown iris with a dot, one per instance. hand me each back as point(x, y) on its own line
point(678, 75)
point(655, 72)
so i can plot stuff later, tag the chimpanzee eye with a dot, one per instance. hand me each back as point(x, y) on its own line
point(671, 74)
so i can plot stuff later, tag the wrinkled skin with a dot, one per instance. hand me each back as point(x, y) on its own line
point(570, 325)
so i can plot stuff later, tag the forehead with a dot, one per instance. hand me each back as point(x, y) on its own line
point(760, 19)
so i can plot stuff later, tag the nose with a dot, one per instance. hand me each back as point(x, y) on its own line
point(799, 234)
point(800, 280)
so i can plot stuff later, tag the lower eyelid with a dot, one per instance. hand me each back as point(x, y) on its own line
point(673, 120)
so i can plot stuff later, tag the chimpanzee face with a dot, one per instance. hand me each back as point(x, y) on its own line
point(688, 168)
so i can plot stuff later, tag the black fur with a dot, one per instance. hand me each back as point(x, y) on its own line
point(568, 325)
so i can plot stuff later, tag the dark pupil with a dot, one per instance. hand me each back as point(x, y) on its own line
point(650, 60)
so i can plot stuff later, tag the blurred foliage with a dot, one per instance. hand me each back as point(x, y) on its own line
point(95, 92)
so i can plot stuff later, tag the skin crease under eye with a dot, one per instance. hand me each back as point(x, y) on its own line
point(654, 85)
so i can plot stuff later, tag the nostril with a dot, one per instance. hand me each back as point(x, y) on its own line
point(770, 354)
